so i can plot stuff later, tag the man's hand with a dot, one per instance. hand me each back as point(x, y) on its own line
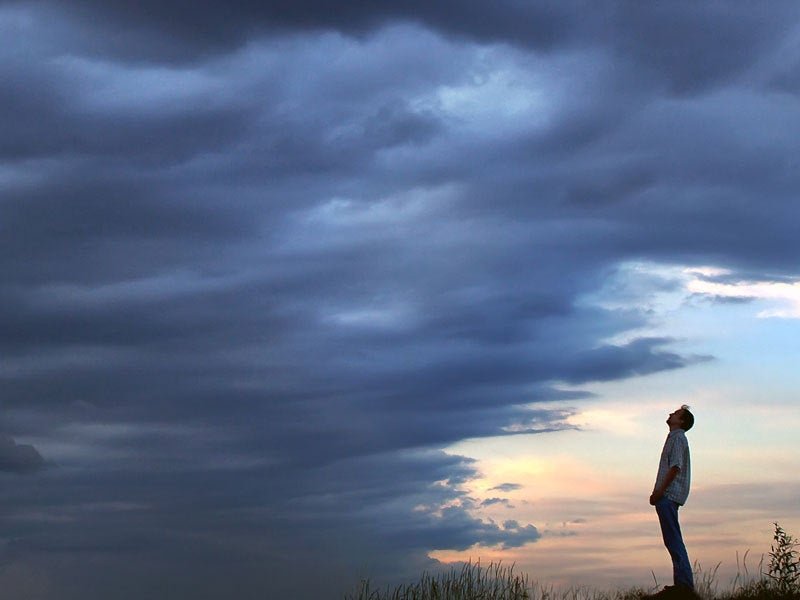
point(655, 497)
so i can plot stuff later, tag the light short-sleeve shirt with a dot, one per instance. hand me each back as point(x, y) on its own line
point(676, 454)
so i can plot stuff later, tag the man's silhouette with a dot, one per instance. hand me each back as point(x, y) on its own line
point(669, 494)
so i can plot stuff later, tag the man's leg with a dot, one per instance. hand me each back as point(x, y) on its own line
point(667, 511)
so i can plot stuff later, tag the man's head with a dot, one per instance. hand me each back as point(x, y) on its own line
point(681, 419)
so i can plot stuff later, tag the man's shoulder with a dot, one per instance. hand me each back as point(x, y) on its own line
point(678, 436)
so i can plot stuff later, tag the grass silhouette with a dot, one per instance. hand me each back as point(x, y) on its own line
point(779, 581)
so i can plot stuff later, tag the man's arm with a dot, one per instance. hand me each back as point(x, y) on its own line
point(658, 494)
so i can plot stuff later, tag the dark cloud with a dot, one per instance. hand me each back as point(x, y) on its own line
point(687, 43)
point(716, 299)
point(177, 30)
point(18, 458)
point(506, 487)
point(493, 501)
point(639, 357)
point(262, 262)
point(692, 46)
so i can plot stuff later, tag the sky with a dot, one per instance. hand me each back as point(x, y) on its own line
point(298, 293)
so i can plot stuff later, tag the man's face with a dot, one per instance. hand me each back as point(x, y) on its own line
point(675, 419)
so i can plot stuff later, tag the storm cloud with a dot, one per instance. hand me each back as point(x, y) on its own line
point(19, 458)
point(263, 262)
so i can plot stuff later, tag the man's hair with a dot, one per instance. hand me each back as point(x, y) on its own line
point(687, 418)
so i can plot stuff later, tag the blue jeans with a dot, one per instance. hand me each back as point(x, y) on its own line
point(667, 512)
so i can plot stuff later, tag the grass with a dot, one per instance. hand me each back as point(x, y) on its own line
point(780, 580)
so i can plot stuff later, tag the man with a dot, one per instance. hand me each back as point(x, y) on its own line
point(669, 494)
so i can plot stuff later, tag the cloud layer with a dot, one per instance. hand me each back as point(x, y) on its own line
point(263, 262)
point(19, 458)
